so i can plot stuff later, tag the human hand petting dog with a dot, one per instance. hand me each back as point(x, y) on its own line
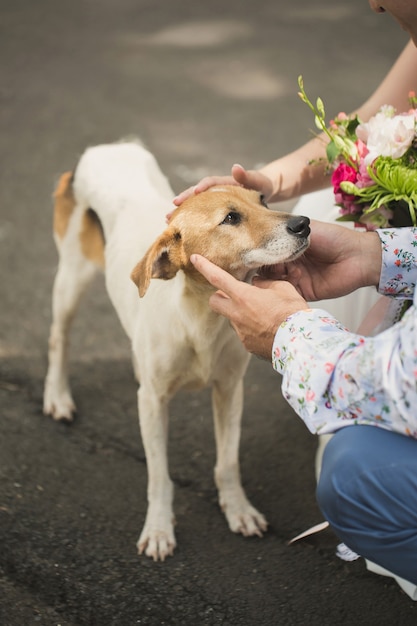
point(250, 179)
point(255, 311)
point(338, 261)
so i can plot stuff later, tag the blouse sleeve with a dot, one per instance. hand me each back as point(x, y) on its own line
point(399, 262)
point(334, 378)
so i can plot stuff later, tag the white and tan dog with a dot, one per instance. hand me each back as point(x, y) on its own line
point(110, 214)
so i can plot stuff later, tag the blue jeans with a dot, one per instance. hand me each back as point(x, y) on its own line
point(368, 493)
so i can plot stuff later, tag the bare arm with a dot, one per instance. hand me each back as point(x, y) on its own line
point(395, 87)
point(291, 175)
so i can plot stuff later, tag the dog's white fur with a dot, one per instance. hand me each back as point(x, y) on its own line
point(177, 341)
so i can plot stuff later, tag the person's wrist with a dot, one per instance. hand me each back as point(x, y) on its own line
point(371, 258)
point(292, 310)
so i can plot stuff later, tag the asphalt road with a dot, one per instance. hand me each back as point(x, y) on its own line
point(204, 85)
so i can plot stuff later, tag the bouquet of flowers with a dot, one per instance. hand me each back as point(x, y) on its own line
point(373, 164)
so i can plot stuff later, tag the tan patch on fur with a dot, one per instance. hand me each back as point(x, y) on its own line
point(91, 233)
point(92, 239)
point(163, 260)
point(64, 204)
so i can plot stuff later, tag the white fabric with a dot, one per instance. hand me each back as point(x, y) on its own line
point(409, 588)
point(350, 310)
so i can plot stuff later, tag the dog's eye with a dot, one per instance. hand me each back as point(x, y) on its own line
point(263, 201)
point(232, 218)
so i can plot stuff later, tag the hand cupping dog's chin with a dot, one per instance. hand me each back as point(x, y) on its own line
point(279, 271)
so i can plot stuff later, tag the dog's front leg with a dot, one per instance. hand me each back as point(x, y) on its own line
point(157, 539)
point(227, 408)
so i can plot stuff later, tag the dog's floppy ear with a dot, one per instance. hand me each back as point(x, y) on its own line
point(163, 260)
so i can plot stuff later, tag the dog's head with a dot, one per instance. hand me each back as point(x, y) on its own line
point(230, 226)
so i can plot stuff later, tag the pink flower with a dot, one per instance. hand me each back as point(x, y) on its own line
point(387, 134)
point(328, 367)
point(343, 172)
point(347, 203)
point(310, 395)
point(377, 218)
point(362, 149)
point(364, 180)
point(340, 117)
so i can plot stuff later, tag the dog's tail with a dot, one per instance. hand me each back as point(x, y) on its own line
point(91, 236)
point(64, 204)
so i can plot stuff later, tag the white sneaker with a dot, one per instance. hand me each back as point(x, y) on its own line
point(409, 588)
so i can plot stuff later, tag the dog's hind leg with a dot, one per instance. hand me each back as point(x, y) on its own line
point(242, 517)
point(75, 271)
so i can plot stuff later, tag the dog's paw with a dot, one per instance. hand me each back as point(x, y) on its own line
point(243, 518)
point(60, 406)
point(157, 543)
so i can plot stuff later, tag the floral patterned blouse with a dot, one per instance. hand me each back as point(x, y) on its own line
point(334, 378)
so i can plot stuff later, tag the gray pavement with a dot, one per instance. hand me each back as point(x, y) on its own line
point(204, 85)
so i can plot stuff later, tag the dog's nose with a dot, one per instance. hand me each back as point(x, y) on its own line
point(298, 225)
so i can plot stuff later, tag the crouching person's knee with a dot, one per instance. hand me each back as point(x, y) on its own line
point(367, 492)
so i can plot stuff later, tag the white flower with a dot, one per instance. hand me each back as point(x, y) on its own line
point(387, 135)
